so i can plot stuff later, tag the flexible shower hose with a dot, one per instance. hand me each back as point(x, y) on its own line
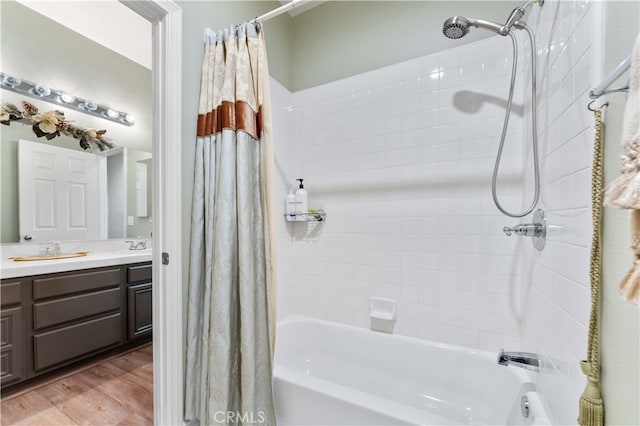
point(534, 125)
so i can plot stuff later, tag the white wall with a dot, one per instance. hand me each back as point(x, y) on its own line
point(95, 19)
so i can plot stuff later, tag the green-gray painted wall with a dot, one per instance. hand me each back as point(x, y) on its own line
point(339, 39)
point(620, 320)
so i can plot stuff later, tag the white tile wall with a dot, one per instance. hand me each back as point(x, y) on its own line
point(401, 159)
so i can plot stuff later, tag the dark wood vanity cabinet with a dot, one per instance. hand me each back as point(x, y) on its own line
point(139, 301)
point(55, 320)
point(12, 332)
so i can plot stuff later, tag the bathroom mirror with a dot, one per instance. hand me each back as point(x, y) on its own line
point(91, 71)
point(116, 181)
point(143, 187)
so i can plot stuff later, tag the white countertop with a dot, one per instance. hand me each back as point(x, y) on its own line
point(99, 254)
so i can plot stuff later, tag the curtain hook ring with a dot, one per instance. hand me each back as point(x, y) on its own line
point(606, 104)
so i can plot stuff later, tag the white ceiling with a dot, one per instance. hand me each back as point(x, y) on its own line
point(130, 37)
point(106, 22)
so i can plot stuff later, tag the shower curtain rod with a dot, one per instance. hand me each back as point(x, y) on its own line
point(601, 89)
point(280, 10)
point(208, 32)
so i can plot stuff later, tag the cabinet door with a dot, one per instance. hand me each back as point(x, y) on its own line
point(12, 355)
point(139, 302)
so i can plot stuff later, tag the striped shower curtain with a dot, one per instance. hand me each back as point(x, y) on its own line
point(229, 330)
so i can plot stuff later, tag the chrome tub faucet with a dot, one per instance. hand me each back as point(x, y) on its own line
point(527, 360)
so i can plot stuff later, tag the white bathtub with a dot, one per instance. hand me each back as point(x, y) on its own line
point(332, 374)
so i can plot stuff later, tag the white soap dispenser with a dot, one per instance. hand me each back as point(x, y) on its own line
point(290, 205)
point(302, 202)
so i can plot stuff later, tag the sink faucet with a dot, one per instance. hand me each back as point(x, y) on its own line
point(526, 360)
point(140, 245)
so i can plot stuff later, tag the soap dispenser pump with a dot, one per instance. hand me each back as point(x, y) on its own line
point(302, 201)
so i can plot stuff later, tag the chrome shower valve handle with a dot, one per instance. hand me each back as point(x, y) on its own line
point(524, 229)
point(537, 230)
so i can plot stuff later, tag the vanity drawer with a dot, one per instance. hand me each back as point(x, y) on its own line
point(59, 311)
point(44, 288)
point(139, 273)
point(11, 293)
point(72, 342)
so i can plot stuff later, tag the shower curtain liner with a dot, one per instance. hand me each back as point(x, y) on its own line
point(229, 326)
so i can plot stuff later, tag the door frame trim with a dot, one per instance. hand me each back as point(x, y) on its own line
point(166, 20)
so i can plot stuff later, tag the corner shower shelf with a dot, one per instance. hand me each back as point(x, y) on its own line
point(315, 216)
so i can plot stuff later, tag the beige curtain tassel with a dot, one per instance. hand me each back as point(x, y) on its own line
point(591, 412)
point(591, 406)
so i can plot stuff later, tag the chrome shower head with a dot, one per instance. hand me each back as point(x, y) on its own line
point(458, 26)
point(455, 27)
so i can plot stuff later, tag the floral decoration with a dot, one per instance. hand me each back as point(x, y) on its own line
point(52, 124)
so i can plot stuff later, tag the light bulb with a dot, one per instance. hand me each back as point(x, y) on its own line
point(90, 105)
point(41, 90)
point(12, 81)
point(67, 98)
point(112, 114)
point(129, 119)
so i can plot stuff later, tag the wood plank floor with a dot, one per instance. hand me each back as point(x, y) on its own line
point(117, 391)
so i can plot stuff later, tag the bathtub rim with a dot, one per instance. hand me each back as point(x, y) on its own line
point(524, 375)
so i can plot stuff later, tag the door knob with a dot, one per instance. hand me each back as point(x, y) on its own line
point(28, 237)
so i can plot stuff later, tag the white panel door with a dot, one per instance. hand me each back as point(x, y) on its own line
point(58, 190)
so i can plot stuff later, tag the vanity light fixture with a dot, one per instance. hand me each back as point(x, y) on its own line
point(60, 97)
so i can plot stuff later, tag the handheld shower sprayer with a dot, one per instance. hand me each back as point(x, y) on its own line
point(457, 27)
